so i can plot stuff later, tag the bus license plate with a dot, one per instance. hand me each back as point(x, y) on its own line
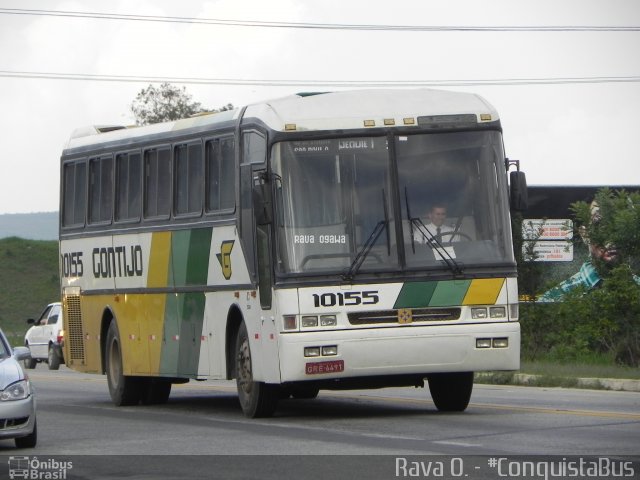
point(334, 366)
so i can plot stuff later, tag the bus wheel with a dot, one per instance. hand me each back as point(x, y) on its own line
point(156, 391)
point(124, 390)
point(451, 392)
point(257, 399)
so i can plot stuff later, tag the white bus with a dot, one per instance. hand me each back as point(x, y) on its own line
point(287, 245)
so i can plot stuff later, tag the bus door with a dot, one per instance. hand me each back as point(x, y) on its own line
point(255, 232)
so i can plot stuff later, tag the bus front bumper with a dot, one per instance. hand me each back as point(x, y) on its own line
point(406, 350)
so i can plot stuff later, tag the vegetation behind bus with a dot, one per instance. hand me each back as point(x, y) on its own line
point(595, 326)
point(166, 103)
point(29, 279)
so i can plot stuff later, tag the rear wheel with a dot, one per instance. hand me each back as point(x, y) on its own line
point(124, 390)
point(53, 359)
point(29, 363)
point(451, 392)
point(30, 440)
point(257, 399)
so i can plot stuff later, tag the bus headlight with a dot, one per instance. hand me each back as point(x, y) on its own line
point(478, 312)
point(309, 321)
point(498, 312)
point(328, 321)
point(311, 351)
point(329, 350)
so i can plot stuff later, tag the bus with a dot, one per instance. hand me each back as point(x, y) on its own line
point(286, 245)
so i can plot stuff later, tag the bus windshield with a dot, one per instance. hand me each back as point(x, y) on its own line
point(337, 203)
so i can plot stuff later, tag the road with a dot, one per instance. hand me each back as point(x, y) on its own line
point(76, 417)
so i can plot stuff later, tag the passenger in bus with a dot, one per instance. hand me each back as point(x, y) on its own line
point(437, 226)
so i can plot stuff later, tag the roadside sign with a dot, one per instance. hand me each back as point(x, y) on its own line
point(548, 251)
point(547, 229)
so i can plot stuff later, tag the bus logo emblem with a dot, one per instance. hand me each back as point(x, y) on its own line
point(224, 257)
point(405, 315)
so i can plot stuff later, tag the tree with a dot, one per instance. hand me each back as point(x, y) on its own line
point(600, 316)
point(166, 103)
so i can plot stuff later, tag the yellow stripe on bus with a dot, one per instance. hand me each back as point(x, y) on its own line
point(159, 260)
point(483, 291)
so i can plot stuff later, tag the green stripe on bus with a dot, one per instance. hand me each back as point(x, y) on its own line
point(190, 251)
point(432, 294)
point(184, 312)
point(415, 295)
point(182, 334)
point(449, 293)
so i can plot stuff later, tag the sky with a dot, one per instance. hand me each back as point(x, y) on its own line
point(569, 99)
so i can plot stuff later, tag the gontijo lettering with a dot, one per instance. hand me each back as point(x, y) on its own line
point(109, 262)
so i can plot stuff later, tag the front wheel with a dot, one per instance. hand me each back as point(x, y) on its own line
point(451, 392)
point(124, 390)
point(30, 440)
point(257, 399)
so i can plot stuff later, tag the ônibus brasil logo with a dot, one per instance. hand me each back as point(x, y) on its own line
point(37, 469)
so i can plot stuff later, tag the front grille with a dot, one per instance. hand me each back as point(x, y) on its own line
point(74, 335)
point(391, 316)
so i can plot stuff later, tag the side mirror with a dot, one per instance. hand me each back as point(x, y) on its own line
point(31, 321)
point(518, 191)
point(262, 207)
point(21, 353)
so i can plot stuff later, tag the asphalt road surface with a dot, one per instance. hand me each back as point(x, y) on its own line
point(388, 433)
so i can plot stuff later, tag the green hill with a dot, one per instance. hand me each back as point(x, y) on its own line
point(29, 279)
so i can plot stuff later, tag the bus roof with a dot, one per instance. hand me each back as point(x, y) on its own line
point(323, 111)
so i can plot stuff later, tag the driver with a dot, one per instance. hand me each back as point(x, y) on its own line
point(437, 227)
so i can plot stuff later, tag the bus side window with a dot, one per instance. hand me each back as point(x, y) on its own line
point(74, 193)
point(220, 168)
point(128, 186)
point(157, 183)
point(188, 179)
point(100, 189)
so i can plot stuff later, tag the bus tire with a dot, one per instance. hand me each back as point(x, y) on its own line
point(124, 390)
point(156, 391)
point(451, 392)
point(257, 399)
point(53, 359)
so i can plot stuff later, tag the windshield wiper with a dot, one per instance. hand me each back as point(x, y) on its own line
point(432, 240)
point(364, 251)
point(373, 238)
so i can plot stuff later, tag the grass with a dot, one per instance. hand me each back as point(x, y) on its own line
point(29, 279)
point(550, 373)
point(579, 370)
